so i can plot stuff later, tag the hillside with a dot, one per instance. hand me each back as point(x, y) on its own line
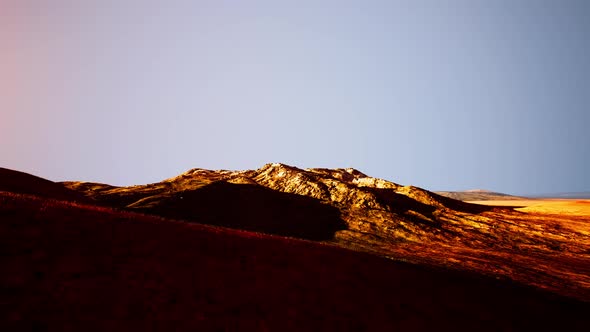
point(478, 195)
point(572, 195)
point(24, 183)
point(73, 267)
point(350, 209)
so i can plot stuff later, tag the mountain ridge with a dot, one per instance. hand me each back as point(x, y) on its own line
point(479, 195)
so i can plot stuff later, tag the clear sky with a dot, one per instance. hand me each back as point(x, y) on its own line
point(446, 95)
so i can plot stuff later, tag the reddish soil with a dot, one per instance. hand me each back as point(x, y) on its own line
point(71, 267)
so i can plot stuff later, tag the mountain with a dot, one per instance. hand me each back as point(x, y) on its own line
point(478, 195)
point(68, 266)
point(347, 208)
point(335, 200)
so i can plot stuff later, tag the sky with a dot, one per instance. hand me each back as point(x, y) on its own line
point(445, 95)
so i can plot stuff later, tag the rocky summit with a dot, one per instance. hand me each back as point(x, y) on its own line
point(350, 209)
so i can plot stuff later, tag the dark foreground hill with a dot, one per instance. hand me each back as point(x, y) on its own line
point(71, 267)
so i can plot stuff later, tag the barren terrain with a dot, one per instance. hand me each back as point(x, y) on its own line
point(349, 252)
point(355, 211)
point(559, 206)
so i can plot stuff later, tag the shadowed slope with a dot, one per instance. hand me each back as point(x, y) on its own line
point(249, 207)
point(23, 183)
point(69, 267)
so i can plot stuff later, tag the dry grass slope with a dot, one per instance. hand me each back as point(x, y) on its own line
point(73, 267)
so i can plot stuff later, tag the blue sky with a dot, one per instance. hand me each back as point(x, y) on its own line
point(446, 95)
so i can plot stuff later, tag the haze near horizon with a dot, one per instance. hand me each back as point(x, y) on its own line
point(471, 94)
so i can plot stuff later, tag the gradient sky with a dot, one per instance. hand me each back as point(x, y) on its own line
point(446, 95)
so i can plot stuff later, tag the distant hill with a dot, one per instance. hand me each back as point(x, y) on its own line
point(570, 195)
point(478, 195)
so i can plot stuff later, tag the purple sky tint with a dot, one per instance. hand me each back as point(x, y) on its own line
point(460, 95)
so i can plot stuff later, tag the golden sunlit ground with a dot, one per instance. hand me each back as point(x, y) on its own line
point(579, 207)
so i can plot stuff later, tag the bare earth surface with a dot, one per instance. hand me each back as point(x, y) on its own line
point(73, 267)
point(97, 257)
point(579, 207)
